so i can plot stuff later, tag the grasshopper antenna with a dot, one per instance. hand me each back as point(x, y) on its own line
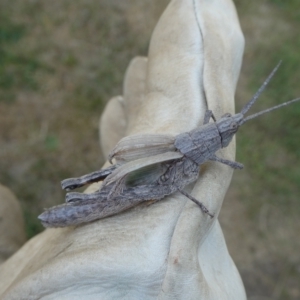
point(268, 110)
point(256, 96)
point(260, 90)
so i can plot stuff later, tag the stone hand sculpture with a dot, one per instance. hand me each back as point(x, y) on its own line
point(168, 249)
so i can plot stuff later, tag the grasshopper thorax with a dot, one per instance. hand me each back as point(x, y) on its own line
point(227, 126)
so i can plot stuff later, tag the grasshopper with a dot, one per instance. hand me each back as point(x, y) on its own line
point(150, 167)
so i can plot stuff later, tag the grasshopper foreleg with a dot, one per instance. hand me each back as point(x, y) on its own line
point(209, 114)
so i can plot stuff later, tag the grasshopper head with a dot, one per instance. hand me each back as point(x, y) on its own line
point(228, 125)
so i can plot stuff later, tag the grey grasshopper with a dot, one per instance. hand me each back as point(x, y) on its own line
point(150, 167)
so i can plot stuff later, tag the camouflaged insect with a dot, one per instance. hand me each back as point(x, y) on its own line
point(151, 167)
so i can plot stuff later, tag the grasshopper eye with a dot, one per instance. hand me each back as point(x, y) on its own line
point(233, 125)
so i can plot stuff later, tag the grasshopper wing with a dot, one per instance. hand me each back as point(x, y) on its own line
point(143, 170)
point(128, 149)
point(140, 146)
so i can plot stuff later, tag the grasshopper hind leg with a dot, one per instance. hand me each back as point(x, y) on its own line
point(74, 183)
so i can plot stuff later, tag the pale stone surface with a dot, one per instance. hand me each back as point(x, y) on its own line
point(170, 249)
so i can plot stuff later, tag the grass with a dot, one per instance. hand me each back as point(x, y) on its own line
point(269, 148)
point(270, 143)
point(16, 70)
point(59, 65)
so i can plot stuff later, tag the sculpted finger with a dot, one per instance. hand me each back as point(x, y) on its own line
point(223, 46)
point(120, 113)
point(174, 100)
point(134, 87)
point(223, 51)
point(112, 125)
